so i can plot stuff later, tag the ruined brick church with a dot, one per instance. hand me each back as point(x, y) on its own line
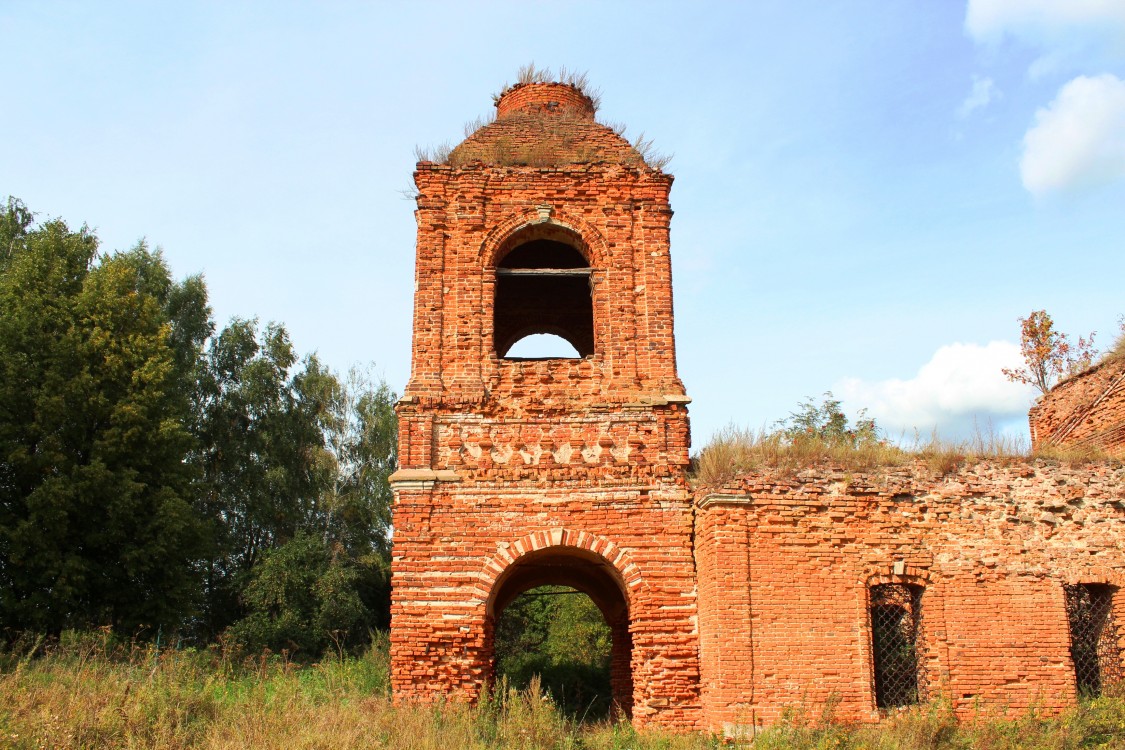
point(1000, 581)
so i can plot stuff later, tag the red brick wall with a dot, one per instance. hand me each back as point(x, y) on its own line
point(453, 542)
point(1085, 410)
point(569, 471)
point(544, 125)
point(544, 99)
point(785, 566)
point(464, 217)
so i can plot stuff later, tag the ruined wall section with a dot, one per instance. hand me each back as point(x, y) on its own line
point(1087, 409)
point(785, 568)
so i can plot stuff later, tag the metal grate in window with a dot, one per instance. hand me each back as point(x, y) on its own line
point(896, 628)
point(1094, 643)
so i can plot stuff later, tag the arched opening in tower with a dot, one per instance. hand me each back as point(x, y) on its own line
point(560, 614)
point(543, 289)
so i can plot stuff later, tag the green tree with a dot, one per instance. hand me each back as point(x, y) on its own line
point(330, 583)
point(96, 525)
point(303, 598)
point(827, 422)
point(258, 455)
point(362, 438)
point(362, 435)
point(149, 465)
point(286, 450)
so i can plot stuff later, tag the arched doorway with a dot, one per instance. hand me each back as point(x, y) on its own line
point(582, 571)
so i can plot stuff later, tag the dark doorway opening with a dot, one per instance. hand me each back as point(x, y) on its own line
point(561, 614)
point(558, 634)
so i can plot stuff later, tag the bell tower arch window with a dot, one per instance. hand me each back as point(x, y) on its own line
point(543, 289)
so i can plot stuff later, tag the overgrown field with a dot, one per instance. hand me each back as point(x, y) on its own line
point(88, 692)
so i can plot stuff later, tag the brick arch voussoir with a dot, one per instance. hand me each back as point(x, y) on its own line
point(635, 588)
point(502, 232)
point(1094, 574)
point(910, 575)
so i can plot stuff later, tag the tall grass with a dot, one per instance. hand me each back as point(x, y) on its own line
point(92, 692)
point(733, 451)
point(1095, 724)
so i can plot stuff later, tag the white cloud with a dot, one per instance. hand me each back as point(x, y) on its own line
point(959, 386)
point(984, 91)
point(1044, 21)
point(1078, 140)
point(1072, 34)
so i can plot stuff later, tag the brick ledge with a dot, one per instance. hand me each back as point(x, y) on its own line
point(721, 498)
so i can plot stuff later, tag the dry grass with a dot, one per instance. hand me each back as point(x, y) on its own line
point(472, 126)
point(91, 693)
point(575, 78)
point(734, 451)
point(566, 151)
point(649, 155)
point(1095, 724)
point(438, 154)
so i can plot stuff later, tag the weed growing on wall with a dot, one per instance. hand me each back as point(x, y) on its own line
point(819, 434)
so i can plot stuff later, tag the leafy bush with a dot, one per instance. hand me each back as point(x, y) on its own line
point(304, 598)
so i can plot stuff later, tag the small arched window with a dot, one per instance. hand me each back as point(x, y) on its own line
point(543, 290)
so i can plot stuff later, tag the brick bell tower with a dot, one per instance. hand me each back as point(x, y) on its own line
point(570, 470)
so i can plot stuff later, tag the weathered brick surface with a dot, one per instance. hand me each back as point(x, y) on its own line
point(786, 564)
point(1085, 410)
point(727, 604)
point(543, 124)
point(582, 460)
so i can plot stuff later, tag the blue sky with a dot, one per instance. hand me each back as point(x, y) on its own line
point(867, 196)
